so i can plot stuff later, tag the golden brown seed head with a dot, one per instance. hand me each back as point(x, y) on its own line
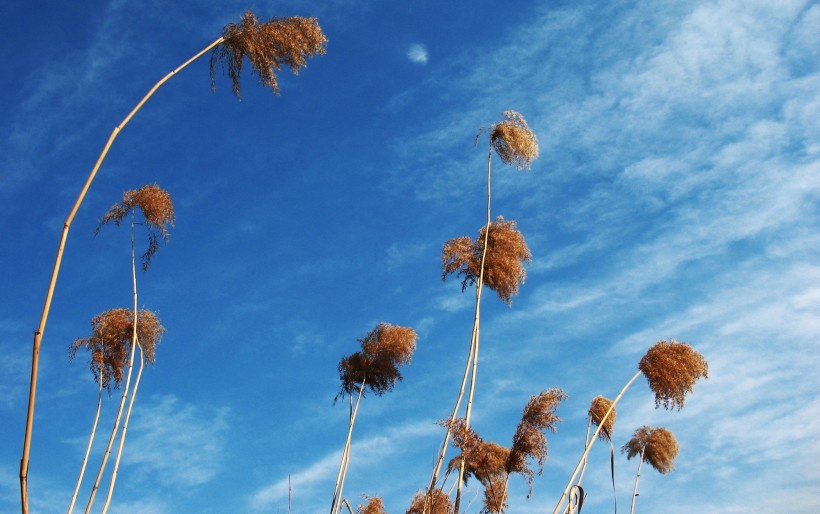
point(437, 502)
point(657, 446)
point(513, 141)
point(495, 495)
point(267, 46)
point(384, 350)
point(157, 209)
point(110, 342)
point(529, 441)
point(672, 368)
point(374, 505)
point(597, 411)
point(503, 265)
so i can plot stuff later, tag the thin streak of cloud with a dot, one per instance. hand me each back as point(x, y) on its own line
point(417, 53)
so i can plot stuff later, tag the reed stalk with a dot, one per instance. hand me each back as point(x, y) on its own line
point(335, 505)
point(90, 442)
point(635, 489)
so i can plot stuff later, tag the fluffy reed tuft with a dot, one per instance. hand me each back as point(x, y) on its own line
point(672, 368)
point(157, 208)
point(495, 495)
point(110, 342)
point(437, 501)
point(504, 263)
point(384, 349)
point(529, 441)
point(513, 141)
point(267, 46)
point(483, 461)
point(657, 446)
point(374, 505)
point(597, 410)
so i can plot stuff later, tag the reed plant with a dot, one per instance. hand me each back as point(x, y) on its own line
point(657, 446)
point(268, 47)
point(494, 259)
point(671, 370)
point(376, 367)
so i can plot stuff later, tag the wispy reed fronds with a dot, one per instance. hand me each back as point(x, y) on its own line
point(374, 505)
point(268, 47)
point(507, 251)
point(597, 410)
point(672, 368)
point(495, 495)
point(384, 350)
point(529, 441)
point(513, 140)
point(110, 342)
point(657, 446)
point(157, 209)
point(437, 502)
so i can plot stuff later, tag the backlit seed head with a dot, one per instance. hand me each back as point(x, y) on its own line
point(672, 368)
point(384, 350)
point(597, 411)
point(657, 446)
point(374, 505)
point(267, 46)
point(503, 265)
point(529, 441)
point(513, 140)
point(438, 502)
point(110, 342)
point(157, 209)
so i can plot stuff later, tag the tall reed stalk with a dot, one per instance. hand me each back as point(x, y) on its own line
point(97, 357)
point(268, 46)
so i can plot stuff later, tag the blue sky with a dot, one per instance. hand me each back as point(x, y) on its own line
point(676, 196)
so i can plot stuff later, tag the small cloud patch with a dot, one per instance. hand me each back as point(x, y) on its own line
point(418, 54)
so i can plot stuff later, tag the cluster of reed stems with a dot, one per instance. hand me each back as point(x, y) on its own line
point(268, 47)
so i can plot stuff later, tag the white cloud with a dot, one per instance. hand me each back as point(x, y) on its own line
point(418, 53)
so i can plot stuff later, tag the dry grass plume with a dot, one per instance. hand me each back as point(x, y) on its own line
point(657, 446)
point(110, 342)
point(438, 502)
point(374, 505)
point(529, 441)
point(157, 209)
point(267, 46)
point(513, 140)
point(672, 368)
point(504, 263)
point(384, 350)
point(597, 410)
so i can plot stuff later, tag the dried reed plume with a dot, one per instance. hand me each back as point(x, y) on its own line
point(503, 265)
point(374, 505)
point(437, 502)
point(111, 338)
point(529, 441)
point(495, 495)
point(513, 140)
point(672, 368)
point(157, 210)
point(597, 410)
point(267, 46)
point(383, 350)
point(657, 446)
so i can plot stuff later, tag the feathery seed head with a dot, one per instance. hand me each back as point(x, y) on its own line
point(267, 46)
point(438, 502)
point(374, 506)
point(157, 209)
point(597, 411)
point(513, 140)
point(483, 461)
point(672, 368)
point(657, 446)
point(110, 342)
point(384, 350)
point(529, 441)
point(495, 495)
point(507, 252)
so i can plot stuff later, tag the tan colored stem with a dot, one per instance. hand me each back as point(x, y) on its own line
point(38, 334)
point(592, 442)
point(340, 477)
point(476, 322)
point(90, 443)
point(347, 504)
point(637, 478)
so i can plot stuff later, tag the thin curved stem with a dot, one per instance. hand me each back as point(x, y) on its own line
point(592, 442)
point(90, 443)
point(335, 505)
point(38, 334)
point(637, 478)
